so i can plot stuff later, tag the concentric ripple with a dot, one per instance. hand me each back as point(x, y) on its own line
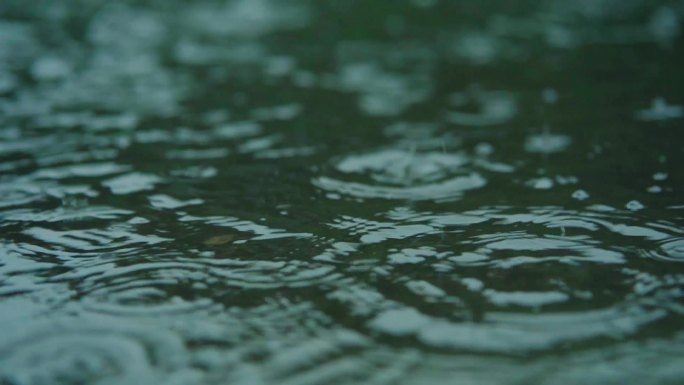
point(95, 350)
point(190, 285)
point(404, 175)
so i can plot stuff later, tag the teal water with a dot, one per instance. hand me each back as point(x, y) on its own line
point(343, 192)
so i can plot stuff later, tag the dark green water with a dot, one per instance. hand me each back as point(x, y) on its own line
point(341, 192)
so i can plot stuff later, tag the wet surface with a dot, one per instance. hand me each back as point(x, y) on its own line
point(260, 192)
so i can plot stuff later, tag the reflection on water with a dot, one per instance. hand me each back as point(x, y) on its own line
point(259, 192)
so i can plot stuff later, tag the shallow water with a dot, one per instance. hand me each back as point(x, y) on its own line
point(295, 192)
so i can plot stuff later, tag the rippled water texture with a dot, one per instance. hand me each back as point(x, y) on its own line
point(341, 192)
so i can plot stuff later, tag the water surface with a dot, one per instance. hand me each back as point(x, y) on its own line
point(300, 192)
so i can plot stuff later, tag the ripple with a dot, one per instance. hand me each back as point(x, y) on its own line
point(671, 249)
point(21, 193)
point(23, 275)
point(93, 350)
point(244, 191)
point(620, 365)
point(65, 214)
point(401, 175)
point(132, 183)
point(262, 232)
point(512, 333)
point(490, 254)
point(296, 345)
point(527, 299)
point(375, 232)
point(497, 332)
point(340, 356)
point(184, 286)
point(674, 249)
point(163, 201)
point(81, 170)
point(88, 242)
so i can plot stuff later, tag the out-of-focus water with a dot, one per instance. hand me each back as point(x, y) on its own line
point(341, 192)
